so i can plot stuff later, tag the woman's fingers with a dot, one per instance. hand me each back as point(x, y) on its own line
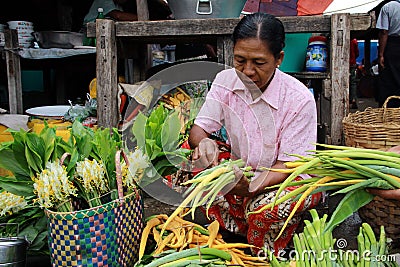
point(238, 173)
point(206, 153)
point(386, 194)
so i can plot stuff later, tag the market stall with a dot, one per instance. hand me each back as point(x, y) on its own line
point(80, 198)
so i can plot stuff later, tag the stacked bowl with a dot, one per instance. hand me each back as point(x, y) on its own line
point(24, 30)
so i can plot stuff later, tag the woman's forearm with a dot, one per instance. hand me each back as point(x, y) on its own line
point(196, 135)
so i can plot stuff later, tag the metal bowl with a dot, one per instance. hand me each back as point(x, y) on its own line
point(58, 39)
point(13, 251)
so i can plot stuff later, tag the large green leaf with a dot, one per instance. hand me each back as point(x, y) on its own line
point(20, 188)
point(170, 132)
point(34, 161)
point(138, 130)
point(9, 162)
point(48, 135)
point(351, 202)
point(37, 147)
point(152, 149)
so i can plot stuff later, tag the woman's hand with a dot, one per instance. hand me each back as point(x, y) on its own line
point(241, 187)
point(386, 194)
point(206, 154)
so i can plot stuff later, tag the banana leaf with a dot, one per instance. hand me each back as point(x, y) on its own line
point(351, 202)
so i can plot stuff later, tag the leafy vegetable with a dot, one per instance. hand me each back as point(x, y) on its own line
point(158, 136)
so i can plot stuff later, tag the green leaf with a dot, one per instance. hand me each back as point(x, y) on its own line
point(37, 147)
point(153, 149)
point(8, 161)
point(39, 242)
point(33, 161)
point(138, 130)
point(20, 188)
point(351, 202)
point(363, 184)
point(48, 136)
point(170, 132)
point(73, 159)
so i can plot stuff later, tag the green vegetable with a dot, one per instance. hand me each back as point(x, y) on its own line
point(158, 136)
point(351, 202)
point(188, 253)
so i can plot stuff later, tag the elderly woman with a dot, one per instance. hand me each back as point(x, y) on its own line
point(268, 116)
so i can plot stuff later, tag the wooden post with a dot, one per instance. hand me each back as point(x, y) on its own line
point(225, 50)
point(106, 73)
point(340, 56)
point(13, 72)
point(142, 11)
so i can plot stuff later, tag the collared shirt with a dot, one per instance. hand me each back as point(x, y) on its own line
point(389, 18)
point(282, 120)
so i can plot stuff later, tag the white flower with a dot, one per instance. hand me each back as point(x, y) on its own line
point(10, 203)
point(138, 161)
point(53, 186)
point(91, 174)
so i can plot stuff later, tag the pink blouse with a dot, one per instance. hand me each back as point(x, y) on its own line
point(280, 122)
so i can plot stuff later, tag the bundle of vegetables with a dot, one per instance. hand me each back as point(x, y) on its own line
point(158, 136)
point(206, 186)
point(185, 243)
point(24, 157)
point(342, 170)
point(315, 247)
point(43, 176)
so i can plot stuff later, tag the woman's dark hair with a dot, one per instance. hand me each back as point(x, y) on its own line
point(263, 26)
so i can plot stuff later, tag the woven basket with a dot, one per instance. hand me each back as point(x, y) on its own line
point(383, 212)
point(106, 235)
point(374, 128)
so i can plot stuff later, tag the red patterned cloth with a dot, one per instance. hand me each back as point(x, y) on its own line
point(261, 229)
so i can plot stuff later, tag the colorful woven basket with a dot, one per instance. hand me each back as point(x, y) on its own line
point(107, 235)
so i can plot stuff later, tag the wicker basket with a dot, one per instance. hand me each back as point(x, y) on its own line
point(374, 128)
point(383, 212)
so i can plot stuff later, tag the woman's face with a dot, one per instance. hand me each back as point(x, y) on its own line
point(253, 58)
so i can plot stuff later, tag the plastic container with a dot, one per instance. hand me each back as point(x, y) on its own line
point(62, 127)
point(202, 9)
point(317, 54)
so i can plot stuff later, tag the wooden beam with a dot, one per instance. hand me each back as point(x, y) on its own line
point(201, 27)
point(214, 27)
point(13, 72)
point(106, 73)
point(340, 57)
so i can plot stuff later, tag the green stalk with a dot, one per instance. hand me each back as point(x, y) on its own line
point(361, 247)
point(288, 196)
point(294, 183)
point(361, 155)
point(373, 173)
point(299, 250)
point(382, 241)
point(189, 252)
point(294, 175)
point(357, 149)
point(304, 249)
